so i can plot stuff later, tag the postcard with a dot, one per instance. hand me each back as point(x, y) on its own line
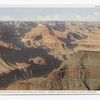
point(49, 49)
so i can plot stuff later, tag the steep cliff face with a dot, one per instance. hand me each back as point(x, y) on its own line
point(81, 72)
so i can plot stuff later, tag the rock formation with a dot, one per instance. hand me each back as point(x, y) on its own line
point(49, 55)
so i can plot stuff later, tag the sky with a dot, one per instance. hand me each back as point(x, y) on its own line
point(49, 14)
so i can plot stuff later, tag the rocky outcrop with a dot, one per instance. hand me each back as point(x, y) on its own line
point(38, 60)
point(76, 74)
point(9, 45)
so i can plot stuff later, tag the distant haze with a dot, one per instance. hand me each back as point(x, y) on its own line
point(49, 14)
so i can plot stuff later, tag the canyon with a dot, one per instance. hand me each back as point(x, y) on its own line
point(51, 55)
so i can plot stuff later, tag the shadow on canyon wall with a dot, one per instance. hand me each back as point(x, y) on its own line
point(34, 70)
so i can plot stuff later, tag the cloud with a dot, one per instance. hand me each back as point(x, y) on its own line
point(79, 17)
point(54, 17)
point(96, 13)
point(95, 16)
point(43, 18)
point(5, 18)
point(89, 17)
